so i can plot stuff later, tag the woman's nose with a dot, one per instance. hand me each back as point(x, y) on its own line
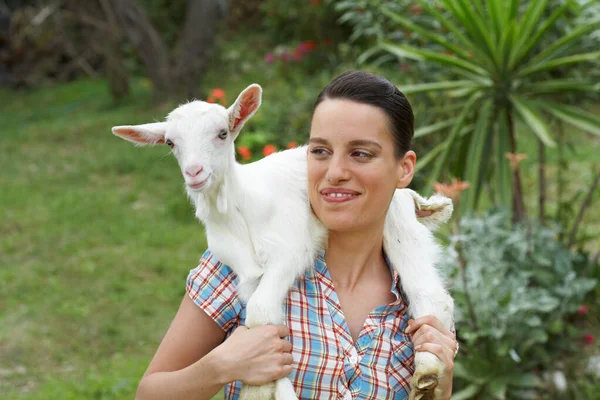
point(337, 170)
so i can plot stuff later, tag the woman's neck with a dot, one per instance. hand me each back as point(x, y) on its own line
point(353, 256)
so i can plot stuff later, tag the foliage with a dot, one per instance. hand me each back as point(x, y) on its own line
point(494, 77)
point(516, 291)
point(287, 21)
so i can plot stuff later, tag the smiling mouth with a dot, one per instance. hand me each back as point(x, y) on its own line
point(337, 197)
point(198, 185)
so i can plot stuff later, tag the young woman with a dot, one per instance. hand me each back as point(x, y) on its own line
point(348, 334)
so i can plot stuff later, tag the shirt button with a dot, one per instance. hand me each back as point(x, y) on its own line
point(353, 360)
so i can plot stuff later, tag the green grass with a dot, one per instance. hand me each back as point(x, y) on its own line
point(96, 239)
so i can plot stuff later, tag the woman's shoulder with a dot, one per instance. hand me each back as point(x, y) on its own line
point(212, 286)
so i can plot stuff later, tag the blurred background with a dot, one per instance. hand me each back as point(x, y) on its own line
point(97, 237)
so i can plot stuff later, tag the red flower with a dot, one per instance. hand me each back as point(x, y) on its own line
point(285, 57)
point(416, 9)
point(291, 145)
point(315, 2)
point(217, 93)
point(269, 58)
point(589, 339)
point(269, 149)
point(298, 54)
point(326, 42)
point(310, 45)
point(583, 309)
point(245, 152)
point(452, 189)
point(211, 100)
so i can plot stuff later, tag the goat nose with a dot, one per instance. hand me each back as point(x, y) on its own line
point(193, 170)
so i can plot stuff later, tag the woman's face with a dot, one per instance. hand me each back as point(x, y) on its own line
point(352, 168)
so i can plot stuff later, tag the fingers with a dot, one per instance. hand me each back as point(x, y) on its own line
point(441, 352)
point(414, 325)
point(287, 359)
point(287, 346)
point(283, 331)
point(427, 333)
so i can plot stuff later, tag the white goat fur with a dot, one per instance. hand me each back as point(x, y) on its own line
point(259, 222)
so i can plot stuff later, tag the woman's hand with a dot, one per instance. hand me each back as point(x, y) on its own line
point(255, 356)
point(429, 334)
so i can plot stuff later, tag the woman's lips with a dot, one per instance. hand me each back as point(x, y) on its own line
point(338, 195)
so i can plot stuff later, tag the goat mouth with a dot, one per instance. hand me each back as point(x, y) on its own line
point(198, 185)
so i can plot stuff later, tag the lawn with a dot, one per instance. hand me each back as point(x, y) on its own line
point(97, 238)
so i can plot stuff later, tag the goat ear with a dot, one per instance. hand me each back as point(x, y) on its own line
point(146, 134)
point(433, 211)
point(244, 107)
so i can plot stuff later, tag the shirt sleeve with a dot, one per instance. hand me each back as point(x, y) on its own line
point(212, 286)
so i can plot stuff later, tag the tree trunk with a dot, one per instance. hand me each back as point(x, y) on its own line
point(518, 205)
point(197, 42)
point(147, 43)
point(116, 74)
point(174, 77)
point(541, 183)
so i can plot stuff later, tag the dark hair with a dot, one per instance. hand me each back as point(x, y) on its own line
point(364, 87)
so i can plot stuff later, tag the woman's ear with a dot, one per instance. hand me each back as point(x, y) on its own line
point(406, 169)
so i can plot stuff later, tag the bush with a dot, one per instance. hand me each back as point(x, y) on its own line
point(517, 291)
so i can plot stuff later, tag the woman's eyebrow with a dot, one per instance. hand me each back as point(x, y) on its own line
point(318, 140)
point(364, 143)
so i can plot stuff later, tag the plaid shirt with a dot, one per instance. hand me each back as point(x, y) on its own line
point(327, 363)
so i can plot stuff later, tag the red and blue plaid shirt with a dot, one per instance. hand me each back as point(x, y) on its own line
point(327, 363)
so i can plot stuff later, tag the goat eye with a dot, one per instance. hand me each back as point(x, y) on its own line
point(222, 135)
point(170, 143)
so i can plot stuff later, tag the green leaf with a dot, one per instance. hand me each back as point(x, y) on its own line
point(458, 64)
point(497, 388)
point(561, 85)
point(474, 23)
point(430, 156)
point(443, 158)
point(533, 119)
point(574, 116)
point(442, 85)
point(502, 170)
point(426, 130)
point(530, 19)
point(439, 39)
point(474, 165)
point(558, 62)
point(467, 393)
point(478, 54)
point(526, 380)
point(554, 48)
point(526, 44)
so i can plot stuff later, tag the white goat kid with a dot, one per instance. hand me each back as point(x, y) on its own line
point(259, 222)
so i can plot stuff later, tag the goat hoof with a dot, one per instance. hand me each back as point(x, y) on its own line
point(425, 388)
point(427, 382)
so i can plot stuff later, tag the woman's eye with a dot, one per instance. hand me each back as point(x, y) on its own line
point(222, 135)
point(361, 154)
point(318, 151)
point(170, 143)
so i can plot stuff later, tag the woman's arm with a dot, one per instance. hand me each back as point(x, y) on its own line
point(429, 334)
point(193, 362)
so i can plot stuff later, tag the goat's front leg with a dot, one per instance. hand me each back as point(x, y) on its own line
point(266, 307)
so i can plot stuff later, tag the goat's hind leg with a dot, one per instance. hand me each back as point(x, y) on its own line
point(413, 252)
